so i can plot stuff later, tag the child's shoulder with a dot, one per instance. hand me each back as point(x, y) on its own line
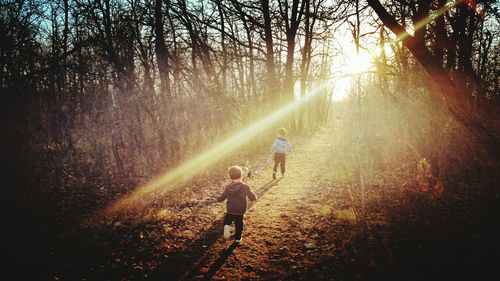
point(245, 185)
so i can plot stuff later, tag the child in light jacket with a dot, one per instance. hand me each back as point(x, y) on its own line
point(280, 148)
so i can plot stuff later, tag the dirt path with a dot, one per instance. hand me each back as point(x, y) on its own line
point(280, 238)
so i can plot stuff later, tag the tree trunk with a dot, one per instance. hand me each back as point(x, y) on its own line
point(455, 97)
point(291, 27)
point(268, 37)
point(223, 44)
point(161, 50)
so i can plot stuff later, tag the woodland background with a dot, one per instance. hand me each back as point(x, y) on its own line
point(97, 96)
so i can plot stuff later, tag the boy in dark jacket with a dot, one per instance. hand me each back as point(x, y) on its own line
point(236, 194)
point(280, 148)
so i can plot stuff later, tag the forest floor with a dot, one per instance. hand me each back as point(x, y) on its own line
point(303, 226)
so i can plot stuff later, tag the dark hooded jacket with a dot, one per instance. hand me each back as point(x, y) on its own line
point(236, 194)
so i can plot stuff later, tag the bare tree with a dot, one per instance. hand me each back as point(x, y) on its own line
point(455, 96)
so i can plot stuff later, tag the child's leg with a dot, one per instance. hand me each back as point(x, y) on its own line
point(228, 219)
point(276, 162)
point(282, 164)
point(238, 222)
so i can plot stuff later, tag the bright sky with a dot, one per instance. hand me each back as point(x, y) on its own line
point(347, 64)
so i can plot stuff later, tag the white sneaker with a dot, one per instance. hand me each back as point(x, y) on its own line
point(227, 234)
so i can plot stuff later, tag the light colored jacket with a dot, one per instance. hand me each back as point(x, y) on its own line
point(281, 145)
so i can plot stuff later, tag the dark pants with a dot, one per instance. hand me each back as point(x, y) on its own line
point(279, 158)
point(238, 222)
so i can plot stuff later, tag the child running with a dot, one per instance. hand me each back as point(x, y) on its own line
point(280, 147)
point(236, 194)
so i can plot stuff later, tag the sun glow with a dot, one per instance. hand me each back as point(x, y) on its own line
point(341, 91)
point(351, 66)
point(364, 61)
point(359, 63)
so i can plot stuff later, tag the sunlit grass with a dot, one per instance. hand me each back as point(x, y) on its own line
point(165, 214)
point(347, 215)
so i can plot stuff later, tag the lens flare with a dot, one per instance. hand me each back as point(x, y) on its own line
point(430, 18)
point(209, 156)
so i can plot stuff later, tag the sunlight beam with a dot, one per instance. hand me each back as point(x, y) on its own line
point(423, 22)
point(209, 156)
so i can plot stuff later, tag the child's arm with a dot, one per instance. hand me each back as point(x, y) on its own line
point(251, 196)
point(289, 146)
point(223, 196)
point(273, 148)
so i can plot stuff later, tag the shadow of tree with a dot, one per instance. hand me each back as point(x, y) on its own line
point(266, 187)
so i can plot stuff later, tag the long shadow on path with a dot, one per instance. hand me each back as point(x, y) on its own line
point(177, 266)
point(223, 256)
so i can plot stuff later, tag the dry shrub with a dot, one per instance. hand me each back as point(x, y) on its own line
point(403, 141)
